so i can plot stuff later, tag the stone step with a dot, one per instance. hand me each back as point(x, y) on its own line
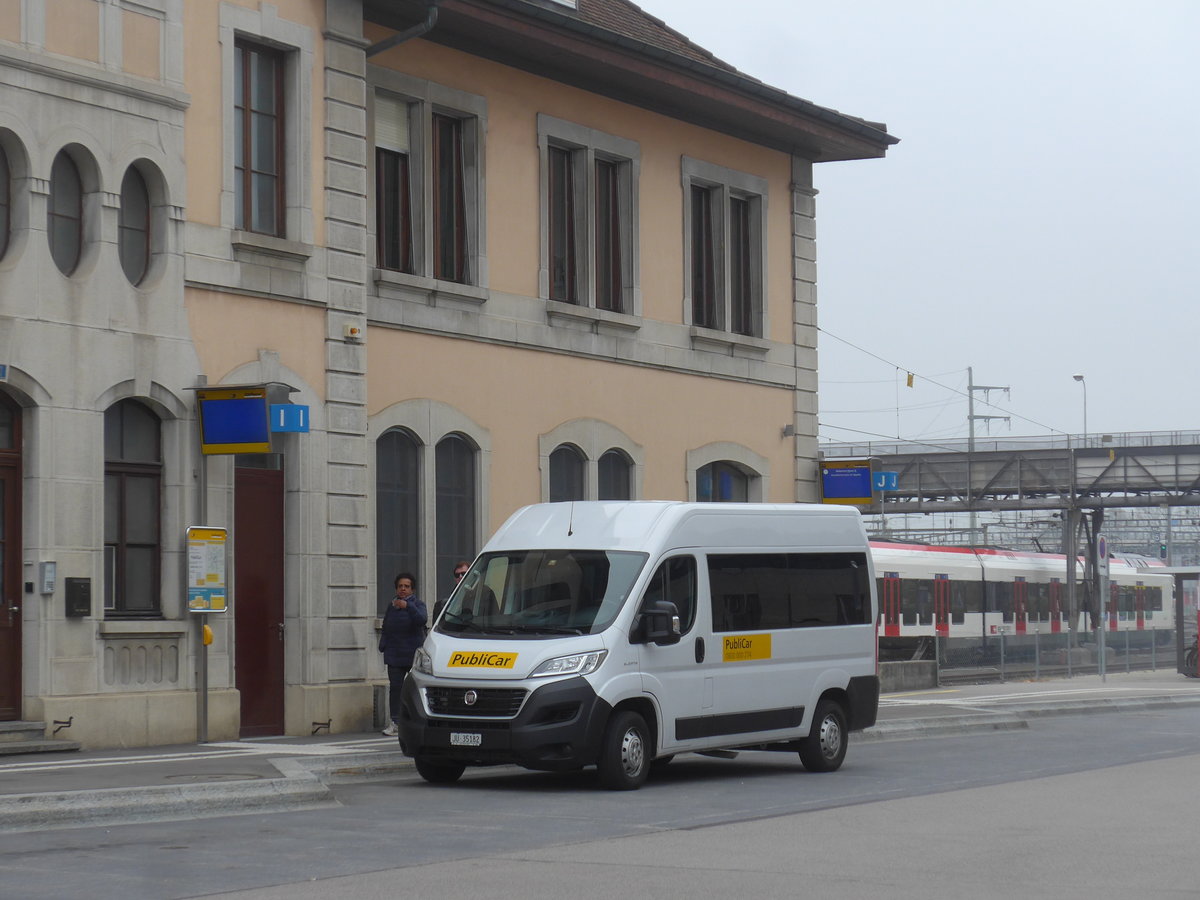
point(30, 737)
point(13, 748)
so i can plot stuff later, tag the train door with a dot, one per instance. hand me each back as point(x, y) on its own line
point(10, 560)
point(1020, 597)
point(1055, 605)
point(941, 604)
point(1139, 605)
point(891, 604)
point(1114, 594)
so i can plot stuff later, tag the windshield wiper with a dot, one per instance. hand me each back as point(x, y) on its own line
point(466, 623)
point(549, 629)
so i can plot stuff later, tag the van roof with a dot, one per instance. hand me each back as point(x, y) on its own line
point(654, 525)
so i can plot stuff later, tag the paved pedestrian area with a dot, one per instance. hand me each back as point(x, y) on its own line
point(81, 788)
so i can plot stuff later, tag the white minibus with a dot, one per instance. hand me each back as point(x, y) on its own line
point(619, 634)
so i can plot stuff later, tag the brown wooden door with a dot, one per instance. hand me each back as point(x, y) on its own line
point(258, 598)
point(10, 589)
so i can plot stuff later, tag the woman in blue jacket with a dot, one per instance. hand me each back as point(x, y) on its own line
point(402, 633)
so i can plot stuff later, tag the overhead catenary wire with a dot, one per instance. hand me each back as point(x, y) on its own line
point(900, 368)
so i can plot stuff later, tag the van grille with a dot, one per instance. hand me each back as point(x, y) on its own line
point(451, 701)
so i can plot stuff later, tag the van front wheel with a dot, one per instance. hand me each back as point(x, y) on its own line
point(625, 753)
point(825, 747)
point(439, 772)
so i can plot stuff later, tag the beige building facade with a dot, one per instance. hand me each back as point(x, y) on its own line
point(493, 253)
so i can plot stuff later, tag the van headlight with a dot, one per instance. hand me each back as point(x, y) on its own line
point(422, 662)
point(575, 664)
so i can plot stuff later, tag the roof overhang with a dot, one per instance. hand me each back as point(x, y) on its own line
point(559, 46)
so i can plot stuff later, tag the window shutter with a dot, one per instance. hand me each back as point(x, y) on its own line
point(391, 123)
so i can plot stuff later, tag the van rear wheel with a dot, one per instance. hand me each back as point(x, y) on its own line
point(625, 753)
point(825, 747)
point(439, 772)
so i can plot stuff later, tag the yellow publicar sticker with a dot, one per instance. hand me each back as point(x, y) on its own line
point(741, 647)
point(479, 659)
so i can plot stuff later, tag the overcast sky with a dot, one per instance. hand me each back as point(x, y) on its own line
point(1037, 220)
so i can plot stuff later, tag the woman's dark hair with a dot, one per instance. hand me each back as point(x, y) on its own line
point(409, 576)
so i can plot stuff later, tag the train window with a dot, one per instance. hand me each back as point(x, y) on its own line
point(925, 601)
point(788, 590)
point(1000, 598)
point(958, 602)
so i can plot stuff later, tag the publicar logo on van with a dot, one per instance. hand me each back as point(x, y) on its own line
point(479, 659)
point(741, 647)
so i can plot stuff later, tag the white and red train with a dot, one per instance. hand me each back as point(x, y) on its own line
point(973, 592)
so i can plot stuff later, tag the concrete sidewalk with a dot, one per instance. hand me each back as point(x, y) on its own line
point(65, 790)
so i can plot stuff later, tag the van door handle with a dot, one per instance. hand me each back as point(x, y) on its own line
point(699, 649)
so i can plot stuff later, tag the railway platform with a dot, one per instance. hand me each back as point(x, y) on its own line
point(64, 790)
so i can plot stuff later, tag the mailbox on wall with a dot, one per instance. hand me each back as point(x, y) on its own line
point(79, 597)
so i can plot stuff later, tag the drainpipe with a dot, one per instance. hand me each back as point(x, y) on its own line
point(407, 34)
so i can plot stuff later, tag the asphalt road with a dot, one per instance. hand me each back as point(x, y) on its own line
point(1089, 806)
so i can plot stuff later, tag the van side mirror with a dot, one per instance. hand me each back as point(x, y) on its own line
point(659, 624)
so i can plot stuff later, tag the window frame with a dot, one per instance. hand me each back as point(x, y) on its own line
point(711, 195)
point(596, 225)
point(56, 211)
point(431, 107)
point(123, 471)
point(245, 159)
point(143, 228)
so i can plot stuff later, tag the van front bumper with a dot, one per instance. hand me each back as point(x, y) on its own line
point(559, 727)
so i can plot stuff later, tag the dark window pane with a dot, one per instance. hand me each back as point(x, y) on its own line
point(704, 277)
point(608, 237)
point(141, 509)
point(263, 206)
point(562, 225)
point(139, 591)
point(614, 477)
point(8, 430)
point(65, 214)
point(788, 590)
point(397, 510)
point(566, 474)
point(449, 200)
point(740, 299)
point(455, 513)
point(393, 211)
point(675, 582)
point(133, 235)
point(112, 508)
point(722, 482)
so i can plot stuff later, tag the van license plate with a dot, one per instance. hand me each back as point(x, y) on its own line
point(465, 739)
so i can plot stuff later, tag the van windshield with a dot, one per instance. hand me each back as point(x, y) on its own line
point(541, 592)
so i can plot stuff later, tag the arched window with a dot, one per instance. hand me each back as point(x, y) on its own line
point(64, 217)
point(133, 232)
point(566, 473)
point(722, 481)
point(455, 512)
point(5, 202)
point(613, 473)
point(397, 510)
point(132, 491)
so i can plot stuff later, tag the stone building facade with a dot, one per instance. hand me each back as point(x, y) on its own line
point(499, 251)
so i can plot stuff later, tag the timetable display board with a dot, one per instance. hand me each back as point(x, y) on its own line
point(206, 570)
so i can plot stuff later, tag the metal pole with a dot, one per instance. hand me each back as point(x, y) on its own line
point(202, 686)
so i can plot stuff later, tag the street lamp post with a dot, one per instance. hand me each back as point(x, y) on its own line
point(1081, 380)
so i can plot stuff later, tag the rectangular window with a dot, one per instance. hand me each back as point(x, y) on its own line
point(704, 255)
point(563, 248)
point(788, 590)
point(449, 200)
point(393, 188)
point(258, 139)
point(589, 255)
point(725, 223)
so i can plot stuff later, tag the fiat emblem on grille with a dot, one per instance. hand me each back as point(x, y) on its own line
point(470, 697)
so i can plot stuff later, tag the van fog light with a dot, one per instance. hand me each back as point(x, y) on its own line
point(576, 664)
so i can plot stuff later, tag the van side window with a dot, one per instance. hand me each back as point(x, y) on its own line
point(788, 590)
point(675, 581)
